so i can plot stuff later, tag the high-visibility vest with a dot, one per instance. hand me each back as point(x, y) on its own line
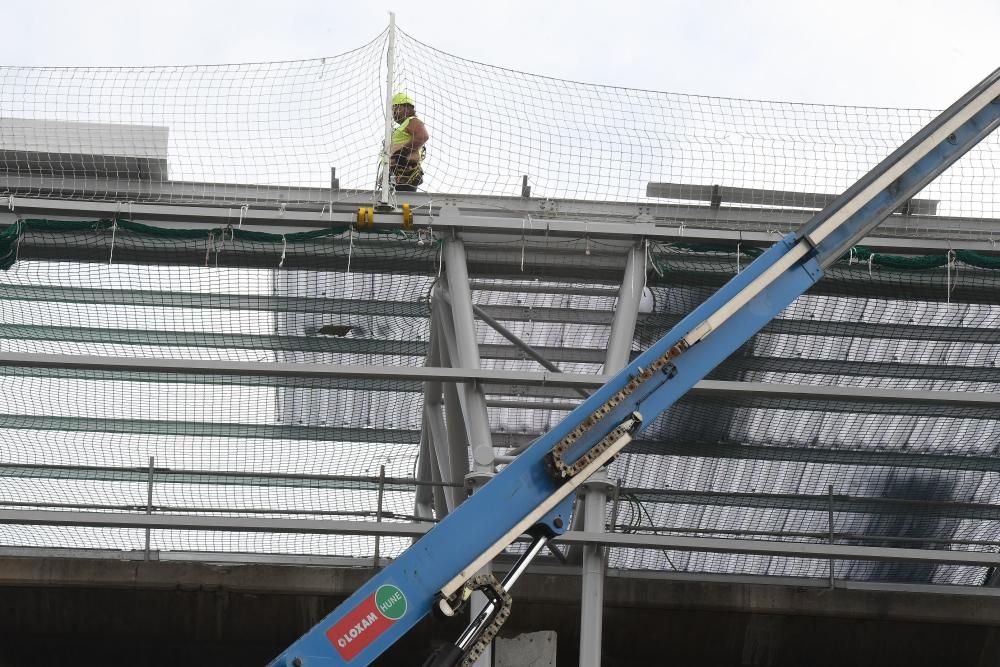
point(402, 136)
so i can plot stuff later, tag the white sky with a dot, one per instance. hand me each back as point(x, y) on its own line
point(912, 53)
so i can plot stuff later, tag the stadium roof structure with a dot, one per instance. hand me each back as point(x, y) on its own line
point(204, 354)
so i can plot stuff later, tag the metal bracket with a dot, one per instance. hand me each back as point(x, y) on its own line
point(548, 206)
point(601, 485)
point(475, 480)
point(716, 201)
point(449, 210)
point(644, 214)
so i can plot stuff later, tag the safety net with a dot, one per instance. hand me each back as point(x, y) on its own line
point(311, 131)
point(184, 369)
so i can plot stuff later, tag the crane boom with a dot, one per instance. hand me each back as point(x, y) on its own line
point(533, 494)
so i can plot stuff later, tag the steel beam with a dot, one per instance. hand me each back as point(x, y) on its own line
point(518, 343)
point(523, 287)
point(760, 197)
point(798, 366)
point(977, 462)
point(307, 370)
point(139, 475)
point(492, 255)
point(872, 455)
point(494, 231)
point(791, 327)
point(530, 351)
point(236, 341)
point(198, 300)
point(304, 344)
point(516, 404)
point(787, 326)
point(498, 390)
point(412, 530)
point(872, 369)
point(196, 429)
point(714, 270)
point(198, 205)
point(973, 461)
point(978, 405)
point(820, 503)
point(787, 549)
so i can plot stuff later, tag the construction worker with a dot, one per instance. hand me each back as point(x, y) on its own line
point(406, 151)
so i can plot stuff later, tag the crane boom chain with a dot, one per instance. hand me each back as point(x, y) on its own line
point(554, 461)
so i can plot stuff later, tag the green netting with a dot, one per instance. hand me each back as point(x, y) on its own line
point(858, 254)
point(10, 237)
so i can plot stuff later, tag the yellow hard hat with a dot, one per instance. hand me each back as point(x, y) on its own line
point(402, 98)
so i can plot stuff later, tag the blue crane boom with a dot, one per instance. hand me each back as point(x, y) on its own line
point(533, 495)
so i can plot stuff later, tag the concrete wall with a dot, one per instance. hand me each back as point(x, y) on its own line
point(71, 612)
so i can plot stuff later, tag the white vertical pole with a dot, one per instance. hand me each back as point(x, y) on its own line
point(389, 83)
point(477, 417)
point(596, 488)
point(626, 311)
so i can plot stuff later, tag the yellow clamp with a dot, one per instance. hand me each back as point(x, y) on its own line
point(407, 217)
point(366, 217)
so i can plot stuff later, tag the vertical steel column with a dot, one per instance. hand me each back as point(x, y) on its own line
point(378, 513)
point(423, 498)
point(438, 434)
point(477, 418)
point(597, 487)
point(429, 497)
point(455, 404)
point(149, 502)
point(626, 311)
point(454, 395)
point(832, 571)
point(451, 441)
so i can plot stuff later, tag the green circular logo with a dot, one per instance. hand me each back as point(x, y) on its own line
point(391, 602)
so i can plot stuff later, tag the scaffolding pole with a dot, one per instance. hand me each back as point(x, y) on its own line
point(389, 83)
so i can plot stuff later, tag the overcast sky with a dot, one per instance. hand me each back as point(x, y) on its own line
point(913, 53)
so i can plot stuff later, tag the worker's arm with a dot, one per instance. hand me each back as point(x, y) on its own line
point(418, 132)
